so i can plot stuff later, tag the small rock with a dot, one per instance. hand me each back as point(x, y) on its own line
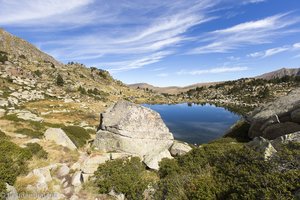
point(63, 171)
point(90, 165)
point(152, 159)
point(262, 145)
point(293, 137)
point(116, 195)
point(179, 148)
point(12, 193)
point(3, 103)
point(74, 197)
point(77, 179)
point(2, 112)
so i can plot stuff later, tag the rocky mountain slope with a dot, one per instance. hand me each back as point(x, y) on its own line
point(280, 73)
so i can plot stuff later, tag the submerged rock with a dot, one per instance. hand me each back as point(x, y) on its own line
point(133, 129)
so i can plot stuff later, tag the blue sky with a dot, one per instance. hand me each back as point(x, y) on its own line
point(163, 43)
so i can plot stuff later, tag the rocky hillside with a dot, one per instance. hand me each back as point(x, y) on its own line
point(280, 73)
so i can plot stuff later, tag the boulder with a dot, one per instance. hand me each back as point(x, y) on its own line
point(263, 146)
point(295, 116)
point(179, 148)
point(264, 119)
point(133, 129)
point(274, 131)
point(152, 159)
point(43, 177)
point(59, 137)
point(90, 165)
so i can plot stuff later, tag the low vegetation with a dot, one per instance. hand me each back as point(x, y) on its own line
point(127, 176)
point(228, 170)
point(12, 161)
point(77, 134)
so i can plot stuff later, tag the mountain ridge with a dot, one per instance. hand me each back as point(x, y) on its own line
point(280, 73)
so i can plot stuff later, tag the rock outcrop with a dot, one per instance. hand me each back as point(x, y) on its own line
point(277, 118)
point(134, 129)
point(59, 137)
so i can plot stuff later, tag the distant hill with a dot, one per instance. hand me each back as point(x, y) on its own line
point(170, 89)
point(176, 89)
point(280, 73)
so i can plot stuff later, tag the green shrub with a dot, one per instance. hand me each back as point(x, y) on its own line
point(123, 176)
point(227, 170)
point(38, 73)
point(3, 136)
point(37, 150)
point(3, 57)
point(59, 80)
point(12, 161)
point(30, 133)
point(77, 134)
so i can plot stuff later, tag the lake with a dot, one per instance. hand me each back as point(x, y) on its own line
point(196, 124)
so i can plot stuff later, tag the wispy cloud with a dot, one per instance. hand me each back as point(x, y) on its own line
point(274, 51)
point(216, 70)
point(135, 42)
point(163, 75)
point(45, 12)
point(126, 65)
point(248, 33)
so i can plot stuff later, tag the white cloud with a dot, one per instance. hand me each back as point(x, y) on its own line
point(274, 51)
point(248, 33)
point(216, 70)
point(44, 12)
point(134, 40)
point(126, 65)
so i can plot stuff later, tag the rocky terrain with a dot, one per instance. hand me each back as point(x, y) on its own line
point(55, 144)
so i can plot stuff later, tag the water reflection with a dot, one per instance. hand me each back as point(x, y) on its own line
point(196, 124)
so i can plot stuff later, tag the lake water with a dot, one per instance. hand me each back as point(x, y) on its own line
point(196, 124)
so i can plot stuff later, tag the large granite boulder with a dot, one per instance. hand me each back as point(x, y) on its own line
point(59, 137)
point(133, 129)
point(277, 118)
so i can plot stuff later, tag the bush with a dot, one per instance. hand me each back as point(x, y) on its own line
point(37, 150)
point(3, 57)
point(30, 133)
point(12, 162)
point(226, 170)
point(123, 176)
point(77, 134)
point(38, 73)
point(59, 80)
